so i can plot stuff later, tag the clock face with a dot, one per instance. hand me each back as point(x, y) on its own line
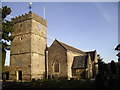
point(39, 26)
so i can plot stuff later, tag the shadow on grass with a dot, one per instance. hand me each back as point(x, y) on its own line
point(50, 84)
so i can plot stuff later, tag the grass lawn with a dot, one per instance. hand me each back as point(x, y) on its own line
point(50, 84)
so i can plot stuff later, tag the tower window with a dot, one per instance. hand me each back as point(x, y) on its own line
point(20, 39)
point(56, 67)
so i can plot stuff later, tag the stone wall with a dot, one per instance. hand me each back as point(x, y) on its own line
point(38, 46)
point(57, 53)
point(89, 70)
point(96, 64)
point(28, 47)
point(29, 16)
point(78, 73)
point(20, 50)
point(20, 62)
point(70, 58)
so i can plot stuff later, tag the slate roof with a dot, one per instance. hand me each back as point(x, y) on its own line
point(67, 47)
point(80, 62)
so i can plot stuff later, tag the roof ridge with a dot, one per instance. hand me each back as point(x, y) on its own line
point(91, 51)
point(60, 44)
point(67, 47)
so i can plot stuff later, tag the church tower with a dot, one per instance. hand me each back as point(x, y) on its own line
point(27, 58)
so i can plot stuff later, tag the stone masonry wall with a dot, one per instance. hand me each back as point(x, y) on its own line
point(38, 46)
point(28, 47)
point(57, 53)
point(20, 50)
point(70, 58)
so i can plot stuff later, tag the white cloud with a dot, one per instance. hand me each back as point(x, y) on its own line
point(9, 17)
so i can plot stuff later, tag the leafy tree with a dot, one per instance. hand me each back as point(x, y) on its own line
point(100, 64)
point(113, 67)
point(5, 32)
point(118, 49)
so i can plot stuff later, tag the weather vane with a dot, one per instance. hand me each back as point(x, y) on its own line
point(30, 6)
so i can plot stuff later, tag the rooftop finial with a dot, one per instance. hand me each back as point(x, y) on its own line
point(30, 6)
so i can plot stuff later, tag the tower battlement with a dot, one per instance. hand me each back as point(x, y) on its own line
point(29, 16)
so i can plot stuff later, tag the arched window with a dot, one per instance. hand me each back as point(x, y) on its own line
point(56, 67)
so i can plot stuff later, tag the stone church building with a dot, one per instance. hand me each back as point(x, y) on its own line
point(30, 57)
point(65, 61)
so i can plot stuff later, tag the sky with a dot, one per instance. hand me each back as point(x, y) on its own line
point(84, 25)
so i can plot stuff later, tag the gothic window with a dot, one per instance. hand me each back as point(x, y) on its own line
point(56, 67)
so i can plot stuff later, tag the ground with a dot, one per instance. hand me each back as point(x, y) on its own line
point(50, 84)
point(61, 84)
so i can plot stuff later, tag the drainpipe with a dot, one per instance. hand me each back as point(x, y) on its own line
point(46, 60)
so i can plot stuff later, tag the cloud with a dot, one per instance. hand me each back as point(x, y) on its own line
point(9, 17)
point(104, 12)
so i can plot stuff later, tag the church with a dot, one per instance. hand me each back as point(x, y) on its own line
point(67, 62)
point(30, 57)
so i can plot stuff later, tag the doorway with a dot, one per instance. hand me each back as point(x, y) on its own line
point(19, 75)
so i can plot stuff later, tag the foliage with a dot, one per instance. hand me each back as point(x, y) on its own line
point(113, 67)
point(5, 31)
point(100, 82)
point(118, 49)
point(7, 28)
point(100, 64)
point(99, 58)
point(51, 84)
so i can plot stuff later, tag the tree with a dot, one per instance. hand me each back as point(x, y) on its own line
point(113, 67)
point(118, 49)
point(5, 32)
point(100, 64)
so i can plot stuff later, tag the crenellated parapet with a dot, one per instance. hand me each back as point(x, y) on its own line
point(29, 16)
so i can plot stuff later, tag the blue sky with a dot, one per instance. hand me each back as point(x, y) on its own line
point(84, 25)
